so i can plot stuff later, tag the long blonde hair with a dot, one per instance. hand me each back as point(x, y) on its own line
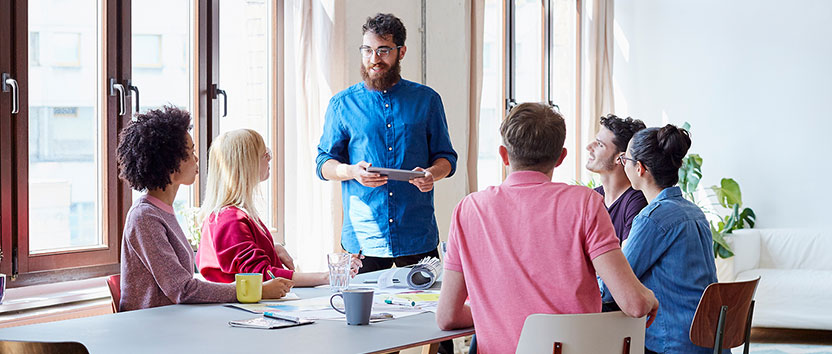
point(233, 173)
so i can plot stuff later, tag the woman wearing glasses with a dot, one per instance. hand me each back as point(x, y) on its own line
point(156, 154)
point(234, 239)
point(670, 247)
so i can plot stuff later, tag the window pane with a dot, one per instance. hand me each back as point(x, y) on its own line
point(64, 129)
point(161, 34)
point(564, 69)
point(528, 46)
point(489, 165)
point(245, 72)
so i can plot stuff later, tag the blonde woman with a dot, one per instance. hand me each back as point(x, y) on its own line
point(234, 239)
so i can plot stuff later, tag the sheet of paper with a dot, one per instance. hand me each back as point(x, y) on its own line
point(385, 279)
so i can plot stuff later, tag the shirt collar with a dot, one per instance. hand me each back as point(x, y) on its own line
point(670, 192)
point(159, 204)
point(526, 177)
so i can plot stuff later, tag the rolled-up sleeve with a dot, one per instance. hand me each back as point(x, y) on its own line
point(334, 140)
point(439, 140)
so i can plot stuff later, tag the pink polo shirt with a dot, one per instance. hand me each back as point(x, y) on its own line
point(526, 247)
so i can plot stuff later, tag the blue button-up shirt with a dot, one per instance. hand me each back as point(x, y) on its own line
point(403, 127)
point(671, 252)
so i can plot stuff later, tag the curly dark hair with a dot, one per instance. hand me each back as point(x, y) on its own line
point(384, 25)
point(662, 150)
point(152, 147)
point(622, 128)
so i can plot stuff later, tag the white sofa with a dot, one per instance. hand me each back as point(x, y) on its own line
point(795, 270)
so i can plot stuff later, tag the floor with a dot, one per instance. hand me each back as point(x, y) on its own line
point(788, 341)
point(763, 341)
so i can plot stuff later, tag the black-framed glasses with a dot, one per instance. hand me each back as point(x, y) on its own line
point(623, 160)
point(382, 52)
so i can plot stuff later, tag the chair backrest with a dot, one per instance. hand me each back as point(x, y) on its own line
point(114, 283)
point(17, 347)
point(737, 296)
point(582, 333)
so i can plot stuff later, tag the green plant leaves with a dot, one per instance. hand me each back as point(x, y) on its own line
point(747, 217)
point(721, 248)
point(728, 193)
point(690, 173)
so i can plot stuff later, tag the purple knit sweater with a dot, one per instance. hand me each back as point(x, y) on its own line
point(157, 263)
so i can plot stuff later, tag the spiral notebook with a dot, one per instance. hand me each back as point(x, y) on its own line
point(263, 322)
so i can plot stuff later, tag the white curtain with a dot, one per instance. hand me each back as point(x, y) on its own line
point(600, 51)
point(476, 19)
point(314, 72)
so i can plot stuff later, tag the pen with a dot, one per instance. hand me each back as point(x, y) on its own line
point(269, 272)
point(375, 281)
point(392, 301)
point(278, 316)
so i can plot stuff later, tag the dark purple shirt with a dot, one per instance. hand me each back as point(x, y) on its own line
point(623, 210)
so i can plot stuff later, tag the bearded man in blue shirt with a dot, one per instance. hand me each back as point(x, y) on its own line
point(386, 121)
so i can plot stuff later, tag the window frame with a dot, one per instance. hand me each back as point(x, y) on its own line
point(27, 269)
point(63, 265)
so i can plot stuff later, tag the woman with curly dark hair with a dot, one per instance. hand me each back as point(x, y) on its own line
point(156, 154)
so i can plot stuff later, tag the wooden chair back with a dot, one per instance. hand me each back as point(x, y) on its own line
point(737, 297)
point(18, 347)
point(114, 283)
point(608, 332)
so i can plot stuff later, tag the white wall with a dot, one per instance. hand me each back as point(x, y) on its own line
point(447, 73)
point(753, 79)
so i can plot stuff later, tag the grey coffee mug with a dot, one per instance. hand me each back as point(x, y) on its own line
point(358, 303)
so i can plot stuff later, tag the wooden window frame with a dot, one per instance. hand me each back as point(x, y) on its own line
point(29, 269)
point(25, 269)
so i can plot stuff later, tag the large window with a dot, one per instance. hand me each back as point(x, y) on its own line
point(81, 69)
point(245, 42)
point(64, 125)
point(60, 206)
point(161, 35)
point(529, 55)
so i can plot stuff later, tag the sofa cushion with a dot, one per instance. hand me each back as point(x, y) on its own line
point(795, 249)
point(792, 298)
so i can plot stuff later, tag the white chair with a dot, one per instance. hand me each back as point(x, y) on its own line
point(597, 333)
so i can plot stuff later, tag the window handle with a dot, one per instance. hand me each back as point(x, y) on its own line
point(510, 103)
point(117, 90)
point(10, 84)
point(217, 93)
point(135, 89)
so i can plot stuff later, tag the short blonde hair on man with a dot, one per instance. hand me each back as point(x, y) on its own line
point(233, 173)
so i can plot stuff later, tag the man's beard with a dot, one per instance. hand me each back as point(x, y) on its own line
point(603, 166)
point(385, 80)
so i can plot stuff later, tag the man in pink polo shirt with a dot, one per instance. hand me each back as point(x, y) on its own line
point(530, 245)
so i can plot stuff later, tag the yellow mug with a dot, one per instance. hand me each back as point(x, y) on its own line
point(249, 287)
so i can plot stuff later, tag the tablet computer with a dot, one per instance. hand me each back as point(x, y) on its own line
point(396, 175)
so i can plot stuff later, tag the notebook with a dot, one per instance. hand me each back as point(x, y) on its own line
point(263, 322)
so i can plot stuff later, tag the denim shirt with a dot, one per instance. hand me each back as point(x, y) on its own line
point(403, 127)
point(671, 253)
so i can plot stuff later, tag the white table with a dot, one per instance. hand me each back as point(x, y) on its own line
point(204, 329)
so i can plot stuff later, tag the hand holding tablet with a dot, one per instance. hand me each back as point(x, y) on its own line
point(396, 174)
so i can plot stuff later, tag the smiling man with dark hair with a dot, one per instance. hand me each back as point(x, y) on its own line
point(622, 201)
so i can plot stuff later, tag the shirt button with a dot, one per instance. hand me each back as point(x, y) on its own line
point(390, 148)
point(386, 105)
point(389, 125)
point(391, 194)
point(391, 220)
point(385, 91)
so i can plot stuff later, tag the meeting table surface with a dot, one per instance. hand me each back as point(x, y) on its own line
point(203, 328)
